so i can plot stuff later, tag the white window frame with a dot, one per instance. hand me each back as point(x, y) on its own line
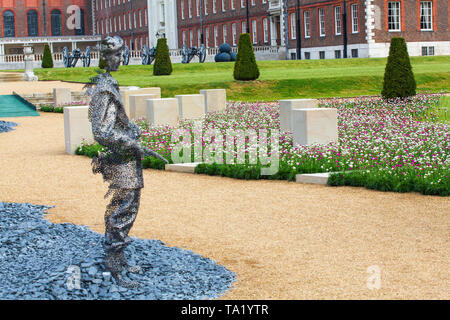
point(266, 30)
point(216, 36)
point(223, 6)
point(307, 22)
point(337, 21)
point(224, 33)
point(182, 9)
point(394, 12)
point(355, 20)
point(293, 21)
point(190, 8)
point(254, 32)
point(234, 34)
point(321, 18)
point(426, 15)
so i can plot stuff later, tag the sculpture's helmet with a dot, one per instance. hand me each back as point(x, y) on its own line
point(111, 45)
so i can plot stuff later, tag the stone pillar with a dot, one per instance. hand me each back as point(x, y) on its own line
point(62, 97)
point(163, 112)
point(138, 105)
point(77, 127)
point(28, 59)
point(215, 99)
point(286, 107)
point(191, 106)
point(314, 126)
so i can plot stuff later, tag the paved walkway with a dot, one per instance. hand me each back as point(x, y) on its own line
point(27, 87)
point(284, 240)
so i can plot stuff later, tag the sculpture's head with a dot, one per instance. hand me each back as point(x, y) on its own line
point(111, 51)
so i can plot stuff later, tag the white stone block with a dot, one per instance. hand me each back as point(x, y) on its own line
point(191, 106)
point(215, 99)
point(76, 127)
point(61, 97)
point(313, 178)
point(138, 105)
point(286, 107)
point(182, 167)
point(126, 92)
point(314, 126)
point(163, 111)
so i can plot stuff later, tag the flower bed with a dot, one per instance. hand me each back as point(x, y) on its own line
point(395, 146)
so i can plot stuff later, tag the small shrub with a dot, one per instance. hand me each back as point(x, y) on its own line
point(245, 67)
point(47, 59)
point(163, 65)
point(399, 79)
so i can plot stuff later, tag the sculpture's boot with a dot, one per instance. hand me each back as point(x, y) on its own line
point(114, 264)
point(125, 264)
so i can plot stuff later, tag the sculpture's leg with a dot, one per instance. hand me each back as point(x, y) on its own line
point(119, 218)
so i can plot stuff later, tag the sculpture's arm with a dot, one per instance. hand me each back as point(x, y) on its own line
point(104, 130)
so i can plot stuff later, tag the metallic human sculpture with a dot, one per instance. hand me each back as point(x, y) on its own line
point(121, 165)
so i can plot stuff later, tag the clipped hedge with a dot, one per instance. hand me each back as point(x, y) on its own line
point(399, 79)
point(51, 109)
point(47, 59)
point(245, 67)
point(163, 65)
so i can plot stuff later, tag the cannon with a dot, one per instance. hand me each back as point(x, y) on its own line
point(70, 59)
point(148, 55)
point(189, 53)
point(126, 56)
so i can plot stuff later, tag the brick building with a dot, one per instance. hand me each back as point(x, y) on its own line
point(125, 18)
point(44, 21)
point(369, 25)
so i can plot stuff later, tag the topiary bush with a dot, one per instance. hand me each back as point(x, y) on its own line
point(245, 67)
point(47, 59)
point(399, 79)
point(163, 65)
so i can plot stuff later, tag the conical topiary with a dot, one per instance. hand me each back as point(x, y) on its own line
point(163, 65)
point(399, 79)
point(245, 67)
point(47, 59)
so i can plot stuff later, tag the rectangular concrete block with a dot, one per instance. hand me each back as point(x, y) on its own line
point(286, 107)
point(182, 167)
point(313, 178)
point(126, 92)
point(76, 127)
point(215, 99)
point(191, 106)
point(61, 97)
point(138, 105)
point(163, 112)
point(314, 126)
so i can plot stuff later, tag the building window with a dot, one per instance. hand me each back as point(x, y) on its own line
point(191, 38)
point(337, 21)
point(197, 7)
point(223, 6)
point(199, 38)
point(32, 23)
point(321, 54)
point(207, 37)
point(243, 27)
point(233, 34)
point(214, 6)
point(216, 37)
point(354, 9)
point(184, 37)
point(293, 56)
point(293, 26)
point(322, 22)
point(182, 9)
point(56, 24)
point(354, 53)
point(394, 16)
point(266, 30)
point(254, 32)
point(190, 8)
point(426, 15)
point(307, 20)
point(81, 30)
point(224, 33)
point(232, 4)
point(206, 7)
point(307, 55)
point(9, 27)
point(428, 51)
point(242, 3)
point(337, 54)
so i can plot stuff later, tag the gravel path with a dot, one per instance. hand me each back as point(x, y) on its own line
point(283, 240)
point(40, 260)
point(27, 87)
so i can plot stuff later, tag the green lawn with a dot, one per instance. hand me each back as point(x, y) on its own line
point(278, 80)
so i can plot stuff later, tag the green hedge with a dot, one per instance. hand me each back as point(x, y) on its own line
point(245, 67)
point(51, 109)
point(47, 59)
point(163, 65)
point(383, 180)
point(399, 79)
